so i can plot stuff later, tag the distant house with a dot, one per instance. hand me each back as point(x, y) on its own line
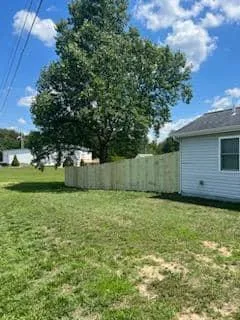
point(24, 156)
point(77, 156)
point(210, 156)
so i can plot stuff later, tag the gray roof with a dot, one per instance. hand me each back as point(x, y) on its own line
point(212, 122)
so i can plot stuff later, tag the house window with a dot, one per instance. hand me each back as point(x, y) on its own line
point(229, 154)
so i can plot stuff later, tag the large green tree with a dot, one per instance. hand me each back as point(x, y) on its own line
point(108, 85)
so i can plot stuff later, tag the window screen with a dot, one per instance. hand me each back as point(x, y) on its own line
point(230, 154)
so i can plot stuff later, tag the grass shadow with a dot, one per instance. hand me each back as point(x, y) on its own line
point(30, 187)
point(175, 197)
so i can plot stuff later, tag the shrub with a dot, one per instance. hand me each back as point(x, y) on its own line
point(82, 164)
point(68, 162)
point(116, 158)
point(3, 164)
point(15, 162)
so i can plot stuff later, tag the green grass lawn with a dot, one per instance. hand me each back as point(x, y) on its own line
point(89, 255)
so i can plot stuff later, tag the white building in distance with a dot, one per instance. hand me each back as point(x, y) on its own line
point(25, 157)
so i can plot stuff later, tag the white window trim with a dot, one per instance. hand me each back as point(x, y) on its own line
point(219, 154)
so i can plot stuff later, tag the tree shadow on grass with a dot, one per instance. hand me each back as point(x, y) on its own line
point(38, 187)
point(175, 197)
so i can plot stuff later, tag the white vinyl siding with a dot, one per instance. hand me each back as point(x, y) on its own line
point(200, 169)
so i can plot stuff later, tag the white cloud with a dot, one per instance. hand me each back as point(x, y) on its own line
point(51, 9)
point(235, 92)
point(212, 21)
point(192, 39)
point(169, 127)
point(231, 97)
point(229, 8)
point(220, 103)
point(29, 97)
point(43, 29)
point(163, 14)
point(22, 121)
point(188, 26)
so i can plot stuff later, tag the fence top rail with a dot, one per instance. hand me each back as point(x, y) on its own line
point(143, 159)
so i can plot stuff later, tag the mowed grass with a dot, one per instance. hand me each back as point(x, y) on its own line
point(72, 254)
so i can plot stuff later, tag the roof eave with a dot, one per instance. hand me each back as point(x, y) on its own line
point(206, 132)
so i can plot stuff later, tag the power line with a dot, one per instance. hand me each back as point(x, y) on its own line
point(14, 52)
point(20, 58)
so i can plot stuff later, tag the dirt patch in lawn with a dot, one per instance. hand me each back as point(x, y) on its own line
point(210, 245)
point(208, 262)
point(189, 315)
point(204, 259)
point(149, 274)
point(224, 251)
point(173, 267)
point(145, 291)
point(226, 309)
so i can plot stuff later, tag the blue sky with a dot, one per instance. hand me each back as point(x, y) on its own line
point(206, 30)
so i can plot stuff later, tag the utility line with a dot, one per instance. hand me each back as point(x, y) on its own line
point(2, 109)
point(14, 52)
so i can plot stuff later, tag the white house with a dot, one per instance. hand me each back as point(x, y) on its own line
point(78, 155)
point(24, 156)
point(210, 156)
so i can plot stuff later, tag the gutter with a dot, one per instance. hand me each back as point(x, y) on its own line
point(176, 135)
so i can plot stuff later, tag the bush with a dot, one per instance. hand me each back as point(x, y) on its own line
point(116, 158)
point(82, 164)
point(68, 162)
point(15, 162)
point(3, 164)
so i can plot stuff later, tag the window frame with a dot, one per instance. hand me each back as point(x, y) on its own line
point(220, 153)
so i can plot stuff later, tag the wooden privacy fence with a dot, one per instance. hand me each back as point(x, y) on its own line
point(157, 173)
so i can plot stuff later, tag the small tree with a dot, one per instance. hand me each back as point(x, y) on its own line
point(15, 162)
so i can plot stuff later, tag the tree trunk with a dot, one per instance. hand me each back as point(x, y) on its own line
point(103, 153)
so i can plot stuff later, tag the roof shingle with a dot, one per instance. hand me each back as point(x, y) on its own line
point(212, 120)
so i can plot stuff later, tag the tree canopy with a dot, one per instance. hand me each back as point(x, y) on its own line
point(108, 86)
point(166, 146)
point(8, 139)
